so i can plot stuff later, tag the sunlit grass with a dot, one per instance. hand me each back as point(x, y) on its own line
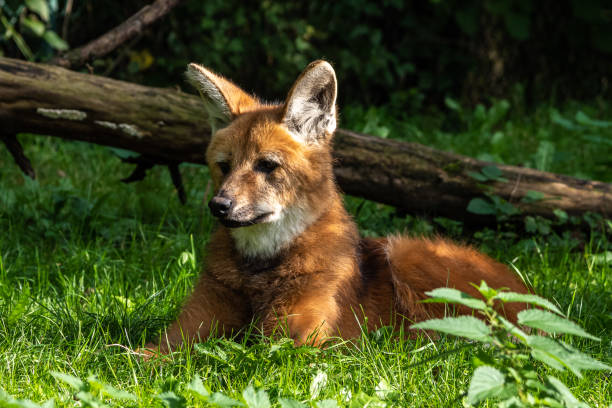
point(88, 264)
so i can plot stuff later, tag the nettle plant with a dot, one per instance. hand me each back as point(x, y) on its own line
point(508, 358)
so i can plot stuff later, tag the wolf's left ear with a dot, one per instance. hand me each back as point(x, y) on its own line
point(223, 99)
point(310, 110)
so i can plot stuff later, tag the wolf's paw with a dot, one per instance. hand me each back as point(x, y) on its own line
point(151, 352)
point(146, 354)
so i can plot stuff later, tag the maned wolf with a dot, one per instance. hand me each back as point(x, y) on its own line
point(286, 253)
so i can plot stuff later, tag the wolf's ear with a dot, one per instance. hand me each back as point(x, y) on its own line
point(223, 99)
point(310, 110)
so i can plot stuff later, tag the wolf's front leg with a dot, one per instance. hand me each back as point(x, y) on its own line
point(213, 308)
point(311, 320)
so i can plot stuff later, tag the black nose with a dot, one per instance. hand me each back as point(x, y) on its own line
point(219, 206)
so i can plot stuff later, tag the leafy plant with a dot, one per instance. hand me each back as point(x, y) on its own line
point(492, 204)
point(507, 364)
point(488, 173)
point(30, 18)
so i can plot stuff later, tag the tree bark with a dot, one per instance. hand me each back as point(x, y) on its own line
point(172, 126)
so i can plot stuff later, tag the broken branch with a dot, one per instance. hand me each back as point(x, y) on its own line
point(106, 43)
point(16, 150)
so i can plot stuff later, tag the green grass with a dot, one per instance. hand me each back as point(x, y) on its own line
point(88, 263)
point(571, 139)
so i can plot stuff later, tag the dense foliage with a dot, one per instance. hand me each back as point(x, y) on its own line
point(506, 366)
point(408, 53)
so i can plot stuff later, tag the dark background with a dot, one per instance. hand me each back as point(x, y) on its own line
point(411, 54)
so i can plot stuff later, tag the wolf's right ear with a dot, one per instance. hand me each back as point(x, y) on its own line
point(223, 99)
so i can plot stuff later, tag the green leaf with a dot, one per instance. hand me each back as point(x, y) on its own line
point(503, 207)
point(537, 385)
point(512, 297)
point(290, 403)
point(598, 139)
point(40, 7)
point(113, 392)
point(558, 119)
point(7, 401)
point(487, 382)
point(361, 399)
point(383, 390)
point(197, 387)
point(540, 353)
point(530, 224)
point(223, 400)
point(462, 326)
point(512, 402)
point(485, 290)
point(37, 27)
point(480, 113)
point(72, 381)
point(582, 361)
point(256, 399)
point(560, 356)
point(532, 196)
point(481, 207)
point(452, 104)
point(123, 153)
point(566, 395)
point(543, 320)
point(328, 403)
point(543, 225)
point(478, 176)
point(492, 172)
point(481, 358)
point(512, 329)
point(109, 390)
point(450, 295)
point(496, 113)
point(583, 119)
point(561, 215)
point(89, 400)
point(48, 404)
point(5, 396)
point(171, 400)
point(55, 41)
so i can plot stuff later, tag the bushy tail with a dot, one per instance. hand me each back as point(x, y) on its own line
point(420, 265)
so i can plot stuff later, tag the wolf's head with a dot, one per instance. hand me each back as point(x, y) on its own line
point(271, 164)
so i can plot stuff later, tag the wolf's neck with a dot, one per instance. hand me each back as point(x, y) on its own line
point(267, 240)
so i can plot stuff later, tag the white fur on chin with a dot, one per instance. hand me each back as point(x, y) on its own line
point(267, 239)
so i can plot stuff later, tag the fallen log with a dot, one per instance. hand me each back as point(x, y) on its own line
point(171, 125)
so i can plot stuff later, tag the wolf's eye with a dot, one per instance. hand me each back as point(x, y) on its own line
point(224, 167)
point(266, 166)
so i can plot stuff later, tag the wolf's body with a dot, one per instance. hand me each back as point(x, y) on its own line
point(287, 254)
